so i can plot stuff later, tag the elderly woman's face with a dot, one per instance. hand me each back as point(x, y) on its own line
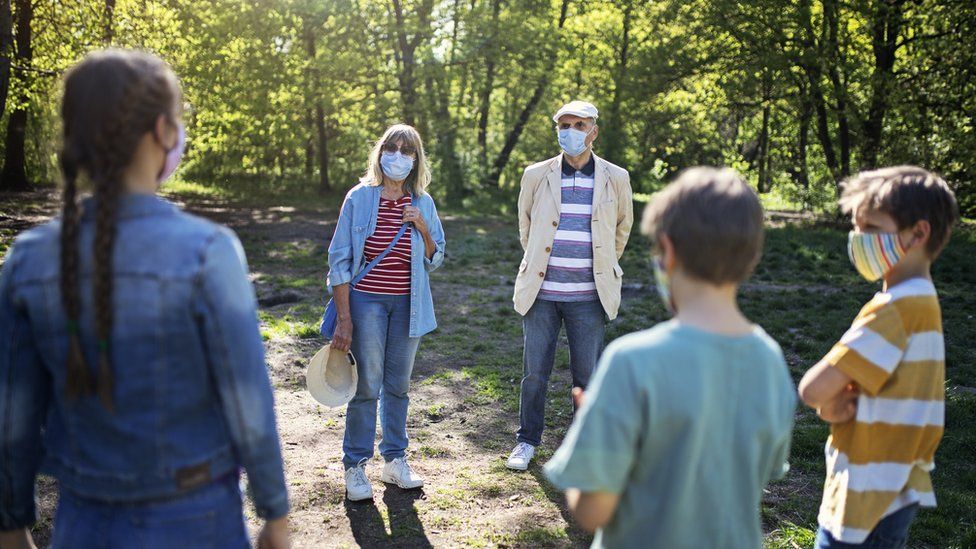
point(405, 149)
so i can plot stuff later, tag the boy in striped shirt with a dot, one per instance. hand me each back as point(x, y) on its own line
point(882, 386)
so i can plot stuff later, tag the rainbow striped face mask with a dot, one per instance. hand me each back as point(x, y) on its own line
point(874, 254)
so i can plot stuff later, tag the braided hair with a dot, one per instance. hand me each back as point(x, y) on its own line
point(112, 98)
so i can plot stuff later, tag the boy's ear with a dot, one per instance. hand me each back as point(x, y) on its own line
point(921, 232)
point(668, 257)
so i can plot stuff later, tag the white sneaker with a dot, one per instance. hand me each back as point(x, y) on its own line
point(399, 472)
point(357, 484)
point(521, 456)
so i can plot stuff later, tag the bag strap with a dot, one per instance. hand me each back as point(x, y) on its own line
point(376, 261)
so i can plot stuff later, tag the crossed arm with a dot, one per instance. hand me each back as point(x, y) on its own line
point(830, 392)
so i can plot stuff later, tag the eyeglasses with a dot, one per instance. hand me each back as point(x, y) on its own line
point(406, 150)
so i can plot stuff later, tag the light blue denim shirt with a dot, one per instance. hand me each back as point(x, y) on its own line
point(357, 221)
point(192, 397)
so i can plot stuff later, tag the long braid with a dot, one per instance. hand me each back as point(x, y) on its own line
point(105, 231)
point(79, 381)
point(101, 139)
point(110, 145)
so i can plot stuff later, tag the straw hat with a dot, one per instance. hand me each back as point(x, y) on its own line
point(332, 377)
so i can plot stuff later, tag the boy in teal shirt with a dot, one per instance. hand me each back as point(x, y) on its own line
point(685, 423)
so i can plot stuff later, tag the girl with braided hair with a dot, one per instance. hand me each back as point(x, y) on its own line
point(131, 366)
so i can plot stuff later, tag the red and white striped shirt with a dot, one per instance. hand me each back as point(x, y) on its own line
point(392, 275)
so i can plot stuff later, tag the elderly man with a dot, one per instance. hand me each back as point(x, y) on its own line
point(575, 212)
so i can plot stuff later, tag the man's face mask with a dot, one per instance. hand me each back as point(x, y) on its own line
point(573, 141)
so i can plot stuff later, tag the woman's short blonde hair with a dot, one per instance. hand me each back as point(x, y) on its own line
point(419, 177)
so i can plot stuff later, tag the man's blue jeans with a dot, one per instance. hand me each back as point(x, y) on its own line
point(890, 533)
point(210, 516)
point(384, 354)
point(585, 327)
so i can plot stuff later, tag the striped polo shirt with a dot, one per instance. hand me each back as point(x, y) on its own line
point(881, 462)
point(569, 276)
point(392, 275)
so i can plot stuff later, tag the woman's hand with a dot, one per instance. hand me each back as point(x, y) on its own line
point(412, 215)
point(274, 535)
point(342, 338)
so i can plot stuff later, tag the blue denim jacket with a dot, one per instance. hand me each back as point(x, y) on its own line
point(357, 221)
point(192, 397)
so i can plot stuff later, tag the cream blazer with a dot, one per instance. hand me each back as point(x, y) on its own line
point(538, 214)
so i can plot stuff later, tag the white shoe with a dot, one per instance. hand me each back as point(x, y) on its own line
point(357, 484)
point(399, 472)
point(521, 456)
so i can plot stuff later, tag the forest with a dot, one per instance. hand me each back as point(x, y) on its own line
point(795, 94)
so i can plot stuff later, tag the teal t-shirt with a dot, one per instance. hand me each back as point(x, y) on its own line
point(687, 427)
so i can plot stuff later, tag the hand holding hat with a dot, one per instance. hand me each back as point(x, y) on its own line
point(332, 377)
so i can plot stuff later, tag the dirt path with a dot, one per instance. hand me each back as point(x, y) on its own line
point(460, 426)
point(463, 398)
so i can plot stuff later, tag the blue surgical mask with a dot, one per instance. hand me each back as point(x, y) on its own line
point(663, 283)
point(396, 166)
point(573, 141)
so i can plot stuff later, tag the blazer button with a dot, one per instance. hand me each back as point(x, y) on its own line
point(542, 274)
point(555, 224)
point(548, 249)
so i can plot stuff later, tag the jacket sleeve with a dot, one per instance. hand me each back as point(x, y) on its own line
point(340, 248)
point(25, 388)
point(236, 357)
point(525, 200)
point(625, 213)
point(437, 234)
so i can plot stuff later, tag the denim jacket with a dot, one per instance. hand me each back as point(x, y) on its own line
point(192, 399)
point(357, 221)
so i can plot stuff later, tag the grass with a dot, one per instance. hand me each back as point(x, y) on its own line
point(805, 294)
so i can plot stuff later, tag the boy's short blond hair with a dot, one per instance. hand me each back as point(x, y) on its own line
point(908, 194)
point(715, 221)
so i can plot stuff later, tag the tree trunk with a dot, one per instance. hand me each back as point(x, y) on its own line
point(451, 172)
point(614, 131)
point(310, 143)
point(801, 174)
point(317, 121)
point(323, 146)
point(14, 174)
point(809, 62)
point(485, 98)
point(109, 31)
point(831, 24)
point(762, 187)
point(887, 19)
point(405, 54)
point(6, 52)
point(492, 177)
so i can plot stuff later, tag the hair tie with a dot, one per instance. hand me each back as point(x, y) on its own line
point(103, 344)
point(72, 327)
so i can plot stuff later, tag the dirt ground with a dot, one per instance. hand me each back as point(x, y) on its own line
point(460, 432)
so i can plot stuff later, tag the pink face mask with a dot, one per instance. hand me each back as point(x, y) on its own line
point(173, 156)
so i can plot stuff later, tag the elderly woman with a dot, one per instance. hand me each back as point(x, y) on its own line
point(383, 317)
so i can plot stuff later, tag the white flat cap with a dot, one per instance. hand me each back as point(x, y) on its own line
point(581, 109)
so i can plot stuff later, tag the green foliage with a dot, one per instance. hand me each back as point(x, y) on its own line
point(795, 94)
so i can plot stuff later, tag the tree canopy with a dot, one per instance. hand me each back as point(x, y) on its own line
point(795, 94)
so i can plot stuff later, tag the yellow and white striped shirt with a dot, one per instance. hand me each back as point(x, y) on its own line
point(880, 462)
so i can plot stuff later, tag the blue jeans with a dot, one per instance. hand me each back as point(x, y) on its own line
point(384, 354)
point(890, 533)
point(208, 517)
point(585, 326)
